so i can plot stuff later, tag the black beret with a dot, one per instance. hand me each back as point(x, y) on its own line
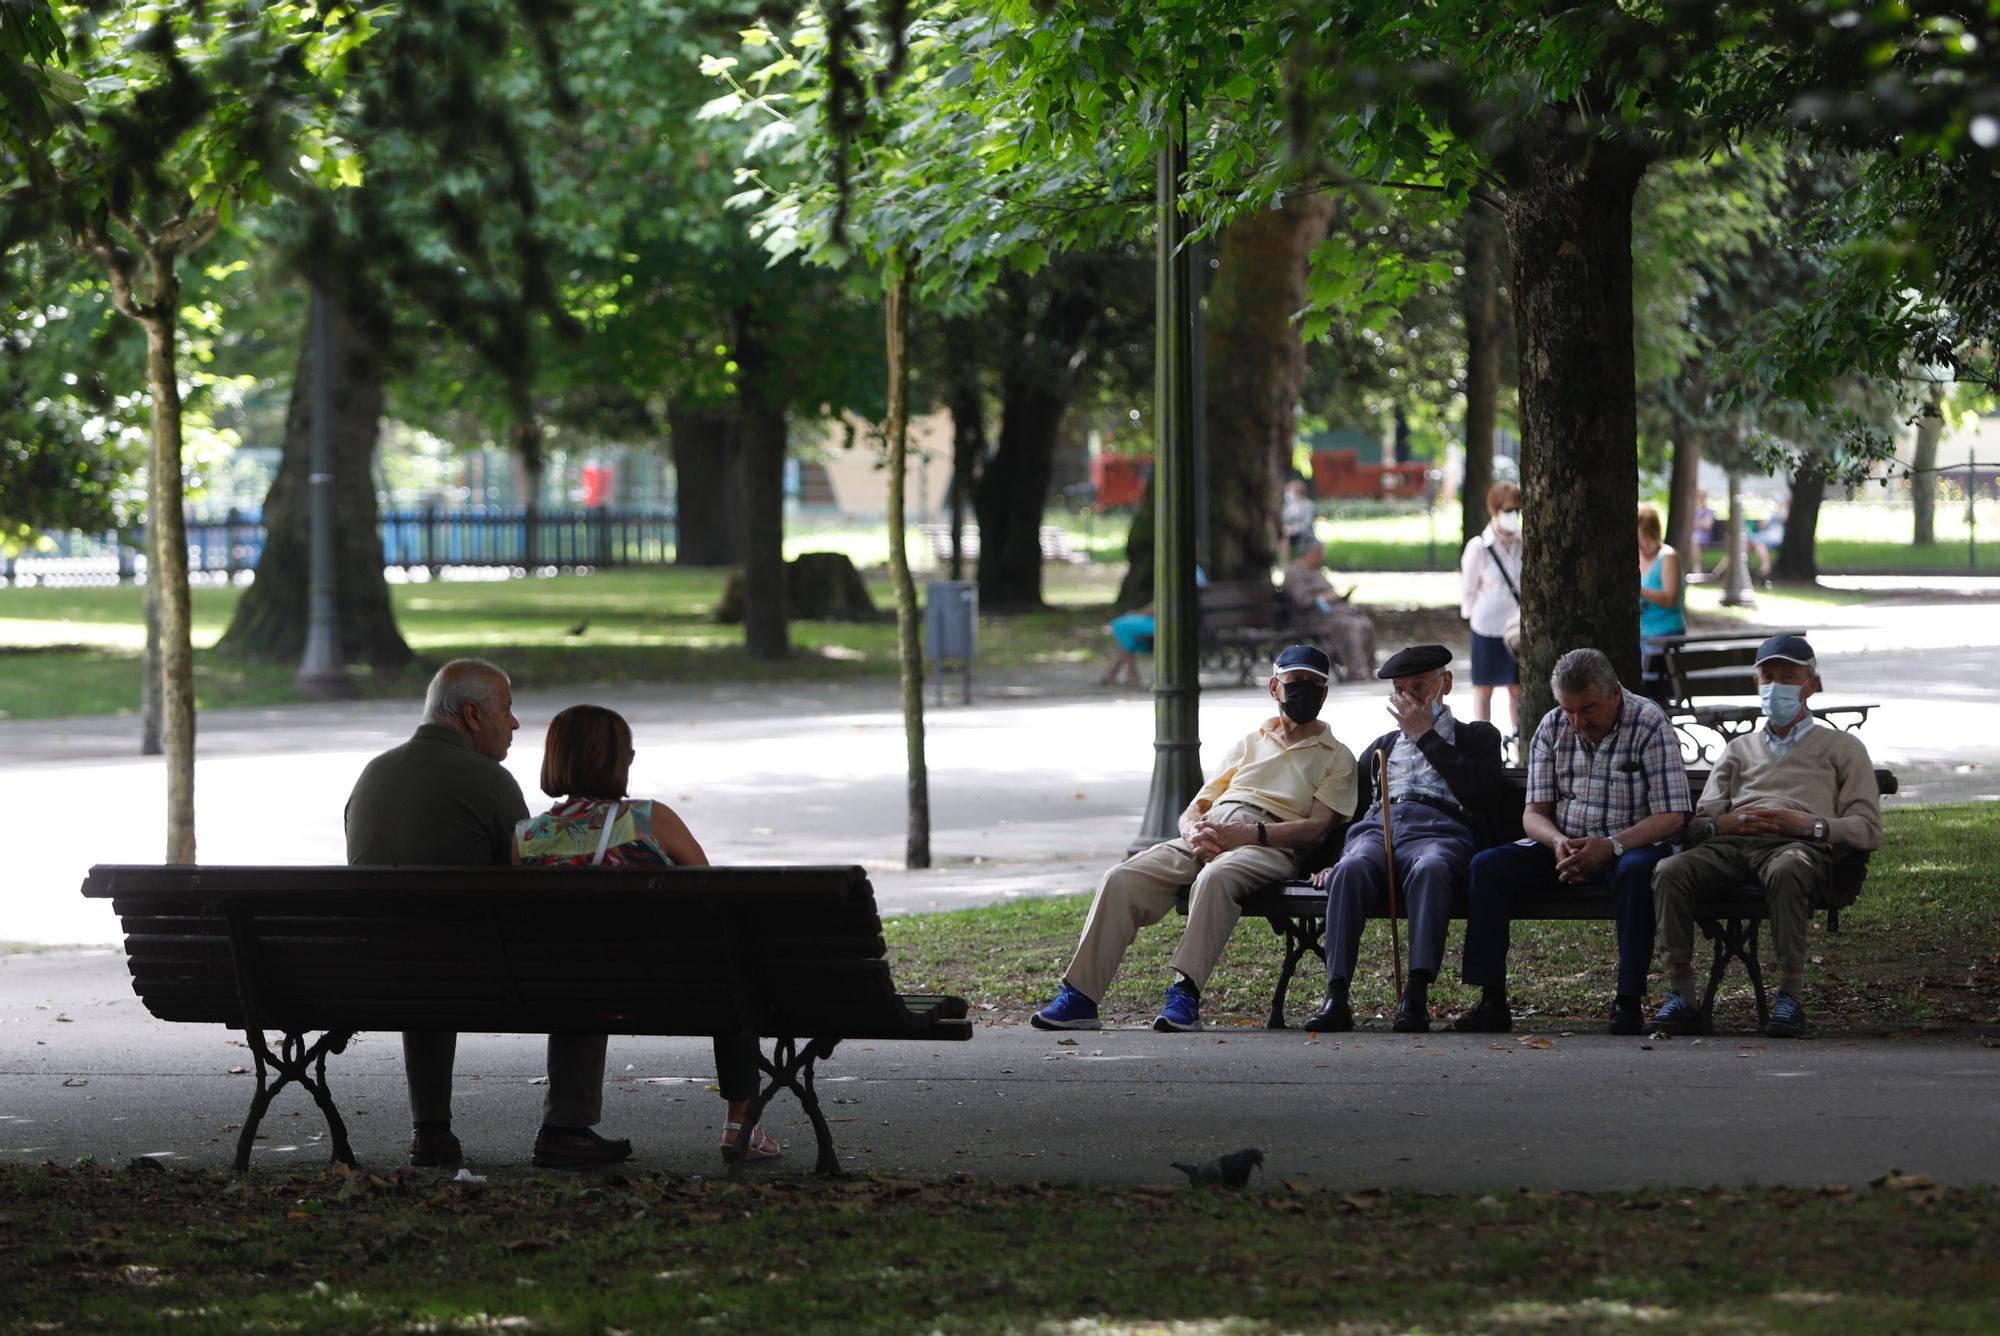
point(1416, 659)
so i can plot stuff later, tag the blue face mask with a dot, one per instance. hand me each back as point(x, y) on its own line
point(1781, 702)
point(1437, 708)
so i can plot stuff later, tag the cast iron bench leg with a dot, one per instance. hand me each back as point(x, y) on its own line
point(791, 1068)
point(1302, 936)
point(1735, 939)
point(292, 1060)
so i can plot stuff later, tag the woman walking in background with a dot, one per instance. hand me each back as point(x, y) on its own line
point(1489, 597)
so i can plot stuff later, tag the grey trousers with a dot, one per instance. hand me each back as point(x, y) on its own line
point(1348, 635)
point(576, 1077)
point(1433, 855)
point(1141, 891)
point(1789, 870)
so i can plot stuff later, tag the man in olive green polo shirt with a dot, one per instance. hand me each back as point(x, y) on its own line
point(444, 799)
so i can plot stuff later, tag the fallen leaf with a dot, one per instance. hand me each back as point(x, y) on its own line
point(1500, 1048)
point(1536, 1041)
point(1066, 1043)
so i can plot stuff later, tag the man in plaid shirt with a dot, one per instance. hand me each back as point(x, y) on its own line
point(1606, 793)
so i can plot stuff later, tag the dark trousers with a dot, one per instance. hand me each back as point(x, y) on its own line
point(1498, 875)
point(1433, 851)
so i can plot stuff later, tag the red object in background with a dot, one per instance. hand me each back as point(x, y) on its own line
point(1341, 474)
point(596, 485)
point(1120, 481)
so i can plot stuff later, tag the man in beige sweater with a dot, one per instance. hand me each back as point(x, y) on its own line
point(1777, 805)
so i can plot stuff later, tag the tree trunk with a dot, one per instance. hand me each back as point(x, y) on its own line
point(1797, 559)
point(270, 621)
point(1136, 589)
point(1738, 589)
point(762, 426)
point(1480, 299)
point(1048, 341)
point(1690, 428)
point(708, 486)
point(1014, 492)
point(1923, 469)
point(1569, 222)
point(149, 690)
point(168, 564)
point(1256, 366)
point(909, 635)
point(968, 431)
point(529, 459)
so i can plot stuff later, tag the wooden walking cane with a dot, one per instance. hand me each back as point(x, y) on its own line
point(1389, 854)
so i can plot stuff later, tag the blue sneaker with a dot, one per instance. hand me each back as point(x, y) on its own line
point(1182, 1011)
point(1679, 1015)
point(1070, 1011)
point(1788, 1018)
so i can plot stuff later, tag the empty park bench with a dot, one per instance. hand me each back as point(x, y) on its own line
point(1296, 911)
point(1054, 542)
point(1244, 623)
point(1711, 685)
point(790, 954)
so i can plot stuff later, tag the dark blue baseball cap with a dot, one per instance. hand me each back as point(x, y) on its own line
point(1791, 649)
point(1304, 659)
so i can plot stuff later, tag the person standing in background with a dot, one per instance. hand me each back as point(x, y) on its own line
point(1662, 601)
point(1489, 577)
point(1295, 520)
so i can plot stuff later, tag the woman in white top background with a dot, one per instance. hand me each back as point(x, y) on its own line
point(1490, 598)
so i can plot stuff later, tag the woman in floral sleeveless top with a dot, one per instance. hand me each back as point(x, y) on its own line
point(585, 766)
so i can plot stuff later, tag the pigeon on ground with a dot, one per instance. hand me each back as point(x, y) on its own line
point(579, 628)
point(1232, 1170)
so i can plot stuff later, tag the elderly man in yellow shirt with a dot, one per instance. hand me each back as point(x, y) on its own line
point(1279, 793)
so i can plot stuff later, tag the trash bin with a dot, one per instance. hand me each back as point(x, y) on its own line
point(951, 612)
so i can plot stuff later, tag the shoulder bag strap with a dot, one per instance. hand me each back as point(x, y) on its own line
point(604, 840)
point(1503, 572)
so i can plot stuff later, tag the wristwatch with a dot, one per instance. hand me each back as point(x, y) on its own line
point(1617, 847)
point(1819, 828)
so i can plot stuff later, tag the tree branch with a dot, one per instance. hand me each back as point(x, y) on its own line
point(118, 263)
point(188, 235)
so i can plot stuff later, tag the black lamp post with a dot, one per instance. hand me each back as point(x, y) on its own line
point(1176, 675)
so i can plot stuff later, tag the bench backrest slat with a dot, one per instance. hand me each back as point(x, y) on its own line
point(673, 951)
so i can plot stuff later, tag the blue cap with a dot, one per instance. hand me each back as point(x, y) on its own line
point(1792, 649)
point(1304, 659)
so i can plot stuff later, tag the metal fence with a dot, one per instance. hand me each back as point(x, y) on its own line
point(221, 550)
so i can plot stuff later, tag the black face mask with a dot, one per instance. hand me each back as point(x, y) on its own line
point(1302, 701)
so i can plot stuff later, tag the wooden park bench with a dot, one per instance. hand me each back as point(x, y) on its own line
point(1711, 686)
point(1244, 623)
point(1054, 541)
point(790, 954)
point(1296, 911)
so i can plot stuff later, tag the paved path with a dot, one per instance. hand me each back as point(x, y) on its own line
point(83, 1071)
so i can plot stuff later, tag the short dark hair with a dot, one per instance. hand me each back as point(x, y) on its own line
point(589, 754)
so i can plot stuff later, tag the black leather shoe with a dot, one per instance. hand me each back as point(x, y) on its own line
point(1412, 1016)
point(1626, 1017)
point(576, 1148)
point(1334, 1016)
point(1486, 1017)
point(435, 1148)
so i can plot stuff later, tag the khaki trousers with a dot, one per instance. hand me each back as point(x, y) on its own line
point(1789, 870)
point(1141, 891)
point(576, 1077)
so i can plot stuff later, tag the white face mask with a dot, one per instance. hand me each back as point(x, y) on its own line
point(1508, 521)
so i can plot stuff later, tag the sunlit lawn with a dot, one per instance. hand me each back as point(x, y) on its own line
point(78, 651)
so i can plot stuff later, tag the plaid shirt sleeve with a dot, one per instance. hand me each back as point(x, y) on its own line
point(1666, 775)
point(1542, 761)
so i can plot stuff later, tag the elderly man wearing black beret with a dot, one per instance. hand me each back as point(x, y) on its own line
point(1447, 799)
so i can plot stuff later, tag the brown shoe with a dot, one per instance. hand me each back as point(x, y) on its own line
point(576, 1148)
point(435, 1148)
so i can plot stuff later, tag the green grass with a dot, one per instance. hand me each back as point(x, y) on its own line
point(144, 1249)
point(1920, 948)
point(70, 652)
point(1854, 538)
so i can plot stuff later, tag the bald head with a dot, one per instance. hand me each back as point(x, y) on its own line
point(476, 699)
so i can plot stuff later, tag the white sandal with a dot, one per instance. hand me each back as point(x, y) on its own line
point(761, 1147)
